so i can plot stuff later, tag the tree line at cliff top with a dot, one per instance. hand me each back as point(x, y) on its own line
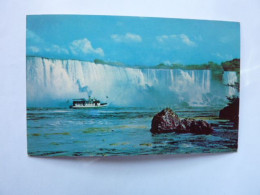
point(232, 65)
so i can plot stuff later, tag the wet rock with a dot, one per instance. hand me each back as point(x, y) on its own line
point(165, 121)
point(168, 121)
point(201, 127)
point(231, 112)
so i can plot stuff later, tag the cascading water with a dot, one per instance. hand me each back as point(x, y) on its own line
point(230, 79)
point(51, 82)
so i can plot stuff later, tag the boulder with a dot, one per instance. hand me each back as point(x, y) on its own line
point(168, 121)
point(200, 127)
point(165, 121)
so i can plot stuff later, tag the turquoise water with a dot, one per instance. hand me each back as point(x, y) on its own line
point(120, 131)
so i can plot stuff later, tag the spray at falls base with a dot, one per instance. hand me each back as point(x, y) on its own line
point(135, 95)
point(52, 83)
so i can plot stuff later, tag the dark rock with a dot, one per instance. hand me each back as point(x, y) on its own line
point(201, 127)
point(231, 112)
point(184, 126)
point(167, 121)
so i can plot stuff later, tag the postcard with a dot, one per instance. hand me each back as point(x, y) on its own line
point(117, 85)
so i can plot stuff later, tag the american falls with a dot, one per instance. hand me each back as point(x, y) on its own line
point(55, 82)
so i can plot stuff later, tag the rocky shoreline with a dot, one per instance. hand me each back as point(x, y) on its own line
point(231, 111)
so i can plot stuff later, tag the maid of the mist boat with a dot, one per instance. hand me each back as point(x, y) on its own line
point(90, 103)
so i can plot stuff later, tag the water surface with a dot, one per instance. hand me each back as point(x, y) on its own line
point(120, 131)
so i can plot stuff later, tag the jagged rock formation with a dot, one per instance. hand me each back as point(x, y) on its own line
point(168, 121)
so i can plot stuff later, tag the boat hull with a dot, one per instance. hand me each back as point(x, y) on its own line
point(88, 106)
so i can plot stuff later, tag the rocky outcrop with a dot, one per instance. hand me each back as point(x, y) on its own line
point(231, 112)
point(165, 121)
point(168, 121)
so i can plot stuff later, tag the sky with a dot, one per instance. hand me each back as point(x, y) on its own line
point(133, 41)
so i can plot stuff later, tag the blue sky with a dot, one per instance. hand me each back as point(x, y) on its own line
point(132, 40)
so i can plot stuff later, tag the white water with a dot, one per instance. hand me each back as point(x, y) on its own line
point(52, 82)
point(230, 78)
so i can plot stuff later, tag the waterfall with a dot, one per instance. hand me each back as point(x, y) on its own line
point(229, 79)
point(51, 80)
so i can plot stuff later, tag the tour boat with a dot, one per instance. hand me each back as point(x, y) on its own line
point(90, 103)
